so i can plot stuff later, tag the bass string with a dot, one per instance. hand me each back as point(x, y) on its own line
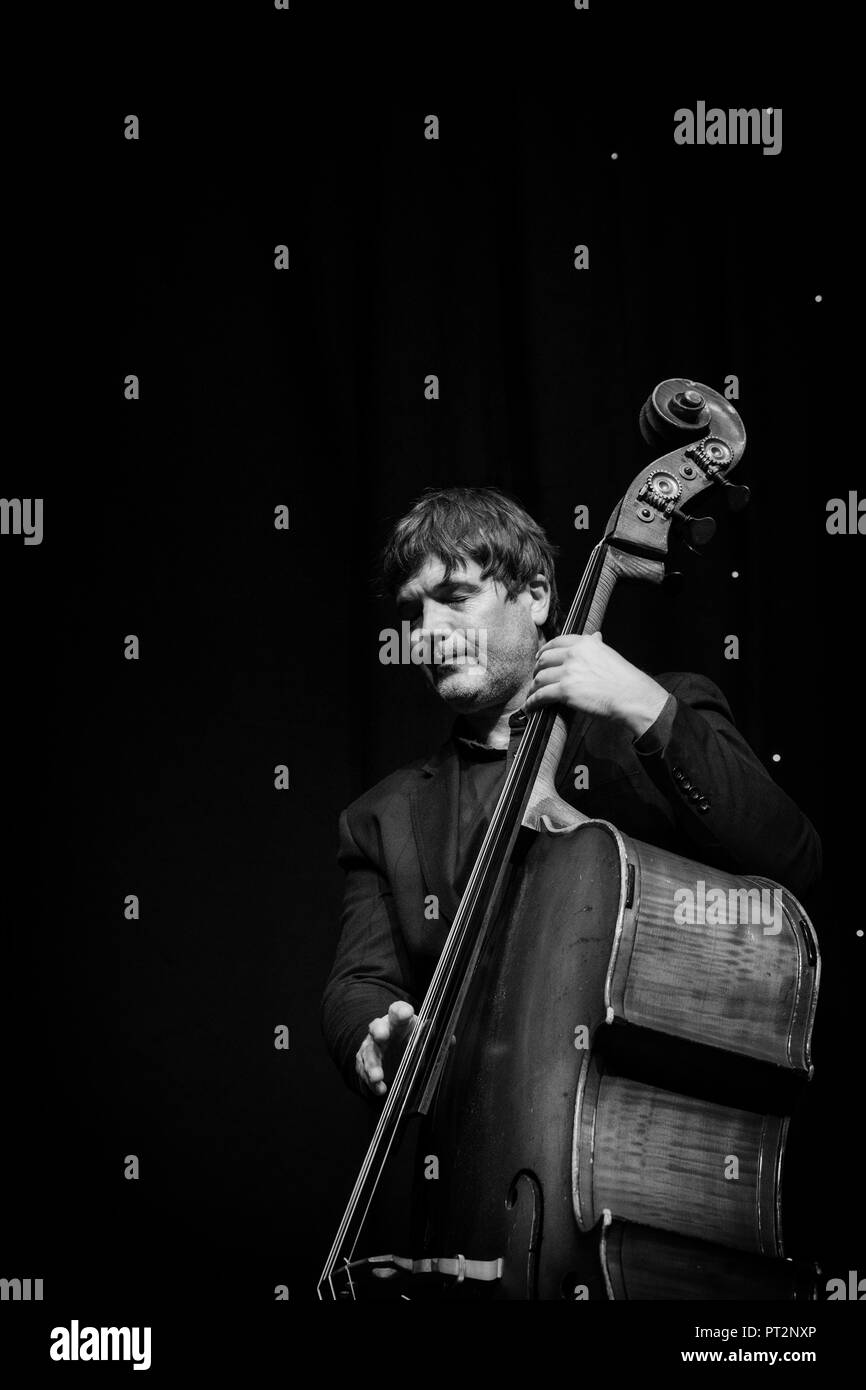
point(439, 988)
point(486, 865)
point(449, 960)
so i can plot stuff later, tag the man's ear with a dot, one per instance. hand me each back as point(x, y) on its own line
point(539, 589)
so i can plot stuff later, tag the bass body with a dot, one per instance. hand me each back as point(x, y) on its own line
point(568, 1104)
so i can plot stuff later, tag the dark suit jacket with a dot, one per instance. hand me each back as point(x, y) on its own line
point(706, 796)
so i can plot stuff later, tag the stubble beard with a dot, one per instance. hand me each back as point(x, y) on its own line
point(466, 689)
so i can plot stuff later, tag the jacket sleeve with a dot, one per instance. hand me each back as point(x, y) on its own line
point(371, 969)
point(723, 799)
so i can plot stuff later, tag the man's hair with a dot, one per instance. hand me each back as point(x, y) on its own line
point(455, 524)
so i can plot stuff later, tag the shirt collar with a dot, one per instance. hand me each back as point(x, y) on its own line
point(472, 746)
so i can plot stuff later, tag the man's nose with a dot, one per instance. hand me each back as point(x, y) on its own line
point(434, 619)
point(432, 629)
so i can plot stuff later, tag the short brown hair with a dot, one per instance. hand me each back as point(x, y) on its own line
point(476, 523)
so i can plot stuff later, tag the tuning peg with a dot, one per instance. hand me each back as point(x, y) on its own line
point(697, 531)
point(737, 497)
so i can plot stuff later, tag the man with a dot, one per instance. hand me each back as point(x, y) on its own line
point(473, 575)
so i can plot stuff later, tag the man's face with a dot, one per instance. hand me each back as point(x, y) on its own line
point(489, 640)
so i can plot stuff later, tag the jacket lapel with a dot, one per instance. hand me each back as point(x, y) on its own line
point(564, 781)
point(434, 808)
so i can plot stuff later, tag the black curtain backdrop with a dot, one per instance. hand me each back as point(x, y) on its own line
point(305, 387)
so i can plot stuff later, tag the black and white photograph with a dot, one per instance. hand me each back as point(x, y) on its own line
point(433, 698)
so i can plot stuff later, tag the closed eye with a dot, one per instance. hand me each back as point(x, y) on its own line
point(411, 614)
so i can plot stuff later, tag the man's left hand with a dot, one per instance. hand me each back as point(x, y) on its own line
point(584, 674)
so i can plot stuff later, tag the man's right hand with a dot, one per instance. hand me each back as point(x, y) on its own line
point(395, 1025)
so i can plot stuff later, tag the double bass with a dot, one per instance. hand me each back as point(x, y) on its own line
point(598, 1081)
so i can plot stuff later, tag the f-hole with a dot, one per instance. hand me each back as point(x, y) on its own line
point(533, 1249)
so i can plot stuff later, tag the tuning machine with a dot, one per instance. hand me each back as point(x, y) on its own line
point(694, 531)
point(736, 495)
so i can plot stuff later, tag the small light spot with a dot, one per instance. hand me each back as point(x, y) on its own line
point(819, 298)
point(859, 931)
point(735, 574)
point(777, 757)
point(614, 156)
point(769, 110)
